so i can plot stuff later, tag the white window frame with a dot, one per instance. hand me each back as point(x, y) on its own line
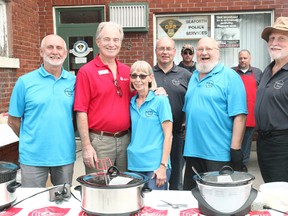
point(5, 60)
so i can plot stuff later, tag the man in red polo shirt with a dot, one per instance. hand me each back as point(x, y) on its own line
point(102, 99)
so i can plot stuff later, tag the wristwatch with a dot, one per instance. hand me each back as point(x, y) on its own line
point(163, 164)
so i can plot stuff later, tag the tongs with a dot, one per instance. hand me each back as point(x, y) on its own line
point(101, 164)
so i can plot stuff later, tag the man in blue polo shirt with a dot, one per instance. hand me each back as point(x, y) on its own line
point(215, 107)
point(40, 112)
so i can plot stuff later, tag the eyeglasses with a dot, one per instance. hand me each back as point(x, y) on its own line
point(118, 88)
point(162, 49)
point(207, 49)
point(141, 76)
point(188, 52)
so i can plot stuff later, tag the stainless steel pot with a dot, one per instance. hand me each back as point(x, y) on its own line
point(225, 191)
point(100, 195)
point(8, 184)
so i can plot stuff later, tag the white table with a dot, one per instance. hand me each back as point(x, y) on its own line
point(40, 204)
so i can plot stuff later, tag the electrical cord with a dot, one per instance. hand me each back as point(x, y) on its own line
point(11, 206)
point(59, 196)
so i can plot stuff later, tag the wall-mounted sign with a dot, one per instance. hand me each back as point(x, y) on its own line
point(80, 49)
point(193, 27)
point(227, 31)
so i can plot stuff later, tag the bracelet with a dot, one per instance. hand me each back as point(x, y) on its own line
point(163, 164)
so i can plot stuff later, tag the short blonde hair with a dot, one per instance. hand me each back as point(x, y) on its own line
point(146, 68)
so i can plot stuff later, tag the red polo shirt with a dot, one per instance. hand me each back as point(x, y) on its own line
point(96, 94)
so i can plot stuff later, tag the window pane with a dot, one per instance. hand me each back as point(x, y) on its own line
point(69, 17)
point(250, 28)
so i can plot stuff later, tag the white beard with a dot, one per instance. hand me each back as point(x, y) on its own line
point(206, 68)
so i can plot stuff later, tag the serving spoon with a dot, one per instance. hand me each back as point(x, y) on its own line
point(194, 170)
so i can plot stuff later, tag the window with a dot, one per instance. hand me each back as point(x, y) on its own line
point(234, 31)
point(3, 30)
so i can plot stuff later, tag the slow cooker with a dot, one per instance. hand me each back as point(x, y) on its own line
point(102, 195)
point(224, 192)
point(8, 184)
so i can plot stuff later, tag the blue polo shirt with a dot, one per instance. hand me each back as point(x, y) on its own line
point(44, 105)
point(146, 147)
point(210, 105)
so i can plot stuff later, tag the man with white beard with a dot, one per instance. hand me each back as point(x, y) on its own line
point(271, 109)
point(40, 113)
point(215, 107)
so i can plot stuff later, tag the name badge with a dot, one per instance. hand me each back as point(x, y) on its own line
point(101, 72)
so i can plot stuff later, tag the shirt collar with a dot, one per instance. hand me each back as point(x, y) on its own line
point(174, 69)
point(44, 73)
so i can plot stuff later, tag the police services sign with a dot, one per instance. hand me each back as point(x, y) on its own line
point(183, 27)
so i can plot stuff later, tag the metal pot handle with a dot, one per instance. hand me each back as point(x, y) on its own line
point(145, 189)
point(13, 186)
point(113, 171)
point(226, 170)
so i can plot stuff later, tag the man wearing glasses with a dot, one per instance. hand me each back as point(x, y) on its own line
point(187, 54)
point(215, 107)
point(102, 98)
point(174, 80)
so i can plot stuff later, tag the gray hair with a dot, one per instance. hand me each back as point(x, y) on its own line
point(111, 25)
point(42, 45)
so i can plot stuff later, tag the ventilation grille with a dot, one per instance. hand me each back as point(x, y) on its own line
point(129, 16)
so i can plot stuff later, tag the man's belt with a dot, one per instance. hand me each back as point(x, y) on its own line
point(104, 133)
point(272, 133)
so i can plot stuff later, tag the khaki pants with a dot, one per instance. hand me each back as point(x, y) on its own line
point(114, 148)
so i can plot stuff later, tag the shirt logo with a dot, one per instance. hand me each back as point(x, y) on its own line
point(278, 84)
point(148, 113)
point(68, 92)
point(176, 82)
point(124, 79)
point(209, 84)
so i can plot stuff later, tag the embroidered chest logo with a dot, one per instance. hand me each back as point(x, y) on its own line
point(68, 92)
point(176, 82)
point(148, 113)
point(209, 84)
point(278, 84)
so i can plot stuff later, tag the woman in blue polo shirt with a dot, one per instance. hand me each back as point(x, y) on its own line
point(151, 117)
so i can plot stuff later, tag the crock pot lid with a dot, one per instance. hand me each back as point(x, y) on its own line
point(226, 178)
point(6, 167)
point(98, 179)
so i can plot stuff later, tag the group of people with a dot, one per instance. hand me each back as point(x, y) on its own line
point(149, 119)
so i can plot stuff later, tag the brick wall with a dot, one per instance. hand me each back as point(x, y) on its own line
point(140, 45)
point(24, 42)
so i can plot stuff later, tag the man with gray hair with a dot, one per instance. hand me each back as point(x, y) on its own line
point(215, 107)
point(102, 98)
point(271, 109)
point(40, 112)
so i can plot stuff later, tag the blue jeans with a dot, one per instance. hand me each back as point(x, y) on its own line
point(246, 144)
point(177, 162)
point(152, 182)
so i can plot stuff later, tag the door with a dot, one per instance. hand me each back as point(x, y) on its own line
point(77, 26)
